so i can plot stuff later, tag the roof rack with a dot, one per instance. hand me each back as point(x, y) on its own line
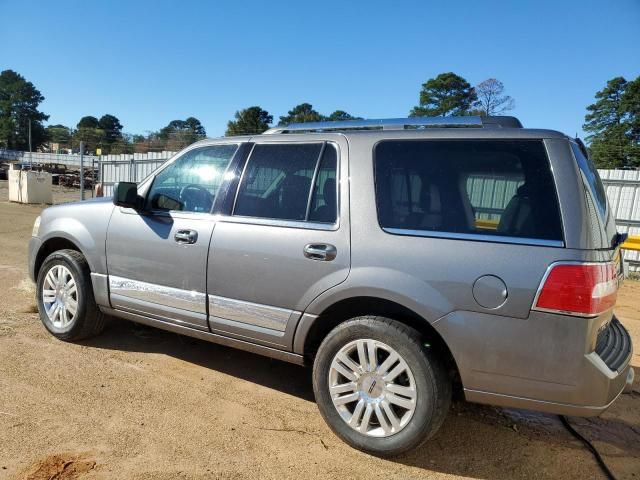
point(400, 124)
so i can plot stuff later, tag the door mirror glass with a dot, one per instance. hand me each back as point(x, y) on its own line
point(125, 194)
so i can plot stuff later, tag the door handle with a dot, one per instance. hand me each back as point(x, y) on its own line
point(324, 252)
point(186, 237)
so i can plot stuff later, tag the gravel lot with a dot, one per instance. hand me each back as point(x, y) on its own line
point(141, 403)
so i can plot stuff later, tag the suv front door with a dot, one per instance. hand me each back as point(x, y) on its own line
point(156, 257)
point(284, 241)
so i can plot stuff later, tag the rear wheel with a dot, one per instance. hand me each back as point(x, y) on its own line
point(378, 387)
point(65, 297)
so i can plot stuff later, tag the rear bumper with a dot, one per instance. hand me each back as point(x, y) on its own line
point(540, 363)
point(622, 383)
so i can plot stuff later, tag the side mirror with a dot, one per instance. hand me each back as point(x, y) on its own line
point(125, 194)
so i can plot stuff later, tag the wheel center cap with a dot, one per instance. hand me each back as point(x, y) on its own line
point(372, 386)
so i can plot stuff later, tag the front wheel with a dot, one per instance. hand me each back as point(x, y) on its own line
point(65, 297)
point(378, 387)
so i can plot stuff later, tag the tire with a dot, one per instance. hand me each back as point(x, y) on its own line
point(88, 320)
point(424, 379)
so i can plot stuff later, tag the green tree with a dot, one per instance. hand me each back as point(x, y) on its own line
point(88, 131)
point(249, 121)
point(180, 133)
point(59, 134)
point(612, 124)
point(88, 122)
point(19, 101)
point(631, 107)
point(446, 95)
point(112, 128)
point(93, 139)
point(301, 114)
point(491, 99)
point(340, 115)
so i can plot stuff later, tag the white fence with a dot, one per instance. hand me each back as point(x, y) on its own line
point(129, 168)
point(46, 158)
point(623, 193)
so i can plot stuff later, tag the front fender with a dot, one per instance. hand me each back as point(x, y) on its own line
point(82, 223)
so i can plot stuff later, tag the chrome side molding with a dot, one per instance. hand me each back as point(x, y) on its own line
point(153, 293)
point(256, 314)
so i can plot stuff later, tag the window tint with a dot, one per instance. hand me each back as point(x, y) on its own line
point(278, 179)
point(192, 181)
point(484, 187)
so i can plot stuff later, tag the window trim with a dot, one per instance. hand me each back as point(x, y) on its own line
point(478, 237)
point(299, 224)
point(188, 214)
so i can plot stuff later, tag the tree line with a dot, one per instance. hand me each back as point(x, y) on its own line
point(612, 122)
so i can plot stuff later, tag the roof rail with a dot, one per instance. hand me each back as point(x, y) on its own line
point(400, 124)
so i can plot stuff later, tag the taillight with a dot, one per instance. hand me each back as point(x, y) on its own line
point(586, 289)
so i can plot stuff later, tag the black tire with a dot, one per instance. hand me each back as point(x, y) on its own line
point(432, 384)
point(88, 320)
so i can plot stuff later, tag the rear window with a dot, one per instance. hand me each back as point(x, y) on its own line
point(495, 188)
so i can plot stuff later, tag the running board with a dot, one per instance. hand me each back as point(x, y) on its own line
point(207, 336)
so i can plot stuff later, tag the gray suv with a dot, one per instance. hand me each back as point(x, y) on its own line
point(404, 259)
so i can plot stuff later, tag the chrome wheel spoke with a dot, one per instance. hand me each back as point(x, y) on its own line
point(400, 401)
point(348, 374)
point(48, 296)
point(357, 412)
point(350, 364)
point(362, 356)
point(395, 422)
point(53, 311)
point(364, 425)
point(386, 428)
point(351, 397)
point(60, 296)
point(404, 391)
point(343, 388)
point(397, 370)
point(72, 306)
point(384, 367)
point(371, 353)
point(378, 398)
point(51, 279)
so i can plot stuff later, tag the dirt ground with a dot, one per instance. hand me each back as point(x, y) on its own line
point(145, 404)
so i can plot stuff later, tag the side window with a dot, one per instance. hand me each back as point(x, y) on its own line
point(278, 180)
point(592, 179)
point(191, 182)
point(487, 187)
point(324, 203)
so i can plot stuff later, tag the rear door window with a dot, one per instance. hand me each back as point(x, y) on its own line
point(494, 188)
point(290, 182)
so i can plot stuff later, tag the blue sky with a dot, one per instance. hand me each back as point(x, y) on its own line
point(151, 62)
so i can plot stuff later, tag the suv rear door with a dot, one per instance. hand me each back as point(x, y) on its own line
point(283, 241)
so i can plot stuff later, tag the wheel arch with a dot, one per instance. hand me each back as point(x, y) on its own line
point(313, 329)
point(53, 244)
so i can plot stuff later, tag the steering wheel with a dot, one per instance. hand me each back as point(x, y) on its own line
point(196, 198)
